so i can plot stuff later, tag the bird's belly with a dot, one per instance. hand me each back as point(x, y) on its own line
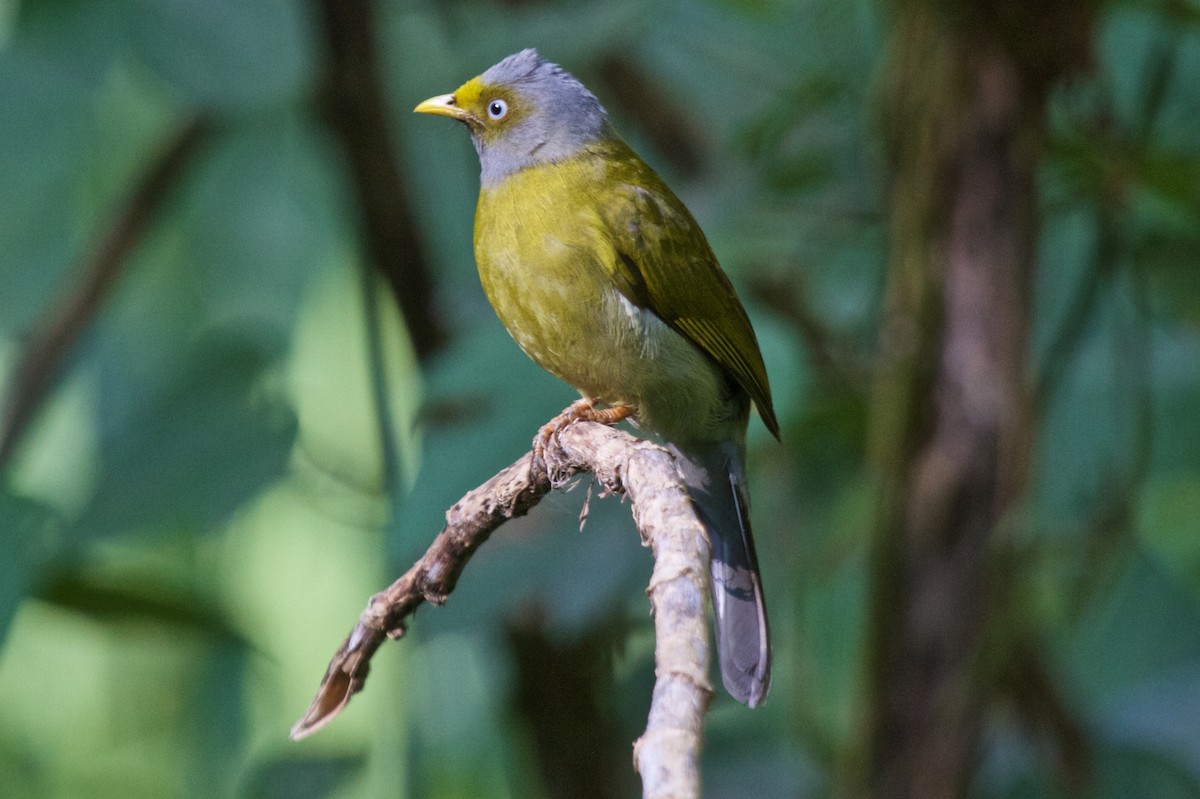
point(581, 329)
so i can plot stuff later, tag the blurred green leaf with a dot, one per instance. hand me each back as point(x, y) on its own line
point(136, 601)
point(211, 439)
point(43, 145)
point(311, 777)
point(262, 215)
point(458, 695)
point(1157, 623)
point(224, 53)
point(1175, 361)
point(1168, 514)
point(832, 621)
point(1159, 718)
point(26, 545)
point(1137, 772)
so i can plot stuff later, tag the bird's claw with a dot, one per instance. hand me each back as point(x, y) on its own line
point(580, 410)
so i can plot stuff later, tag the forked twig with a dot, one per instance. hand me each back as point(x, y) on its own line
point(667, 755)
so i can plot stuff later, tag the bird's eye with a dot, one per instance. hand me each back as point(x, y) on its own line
point(497, 109)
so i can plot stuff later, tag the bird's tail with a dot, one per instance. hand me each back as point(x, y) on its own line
point(715, 475)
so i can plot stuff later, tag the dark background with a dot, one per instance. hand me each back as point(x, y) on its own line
point(968, 234)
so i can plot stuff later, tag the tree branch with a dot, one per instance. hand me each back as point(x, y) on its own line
point(668, 753)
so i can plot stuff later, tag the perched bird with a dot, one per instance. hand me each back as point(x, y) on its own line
point(603, 277)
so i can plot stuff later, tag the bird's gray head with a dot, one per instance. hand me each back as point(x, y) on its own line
point(523, 111)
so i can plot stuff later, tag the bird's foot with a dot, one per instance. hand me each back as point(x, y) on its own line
point(580, 410)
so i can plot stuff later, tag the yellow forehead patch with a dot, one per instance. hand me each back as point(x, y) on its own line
point(467, 95)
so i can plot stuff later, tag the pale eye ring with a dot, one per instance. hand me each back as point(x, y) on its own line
point(497, 109)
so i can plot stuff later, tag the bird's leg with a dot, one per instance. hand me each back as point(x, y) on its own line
point(580, 410)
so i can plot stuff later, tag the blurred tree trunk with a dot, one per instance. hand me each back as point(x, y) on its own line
point(963, 119)
point(563, 694)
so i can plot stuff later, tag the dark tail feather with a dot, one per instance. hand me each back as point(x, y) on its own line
point(715, 476)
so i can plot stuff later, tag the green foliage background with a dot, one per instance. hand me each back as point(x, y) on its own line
point(202, 507)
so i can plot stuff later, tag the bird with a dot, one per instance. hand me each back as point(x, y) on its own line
point(605, 279)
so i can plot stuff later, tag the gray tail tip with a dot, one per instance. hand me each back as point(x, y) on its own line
point(749, 688)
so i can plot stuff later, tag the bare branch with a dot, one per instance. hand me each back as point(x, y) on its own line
point(668, 753)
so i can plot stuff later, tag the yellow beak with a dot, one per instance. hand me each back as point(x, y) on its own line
point(443, 105)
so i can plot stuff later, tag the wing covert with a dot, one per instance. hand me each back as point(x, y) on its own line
point(661, 261)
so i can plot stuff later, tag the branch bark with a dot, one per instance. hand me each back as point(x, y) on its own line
point(668, 753)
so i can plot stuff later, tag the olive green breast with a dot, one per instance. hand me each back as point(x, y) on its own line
point(535, 240)
point(545, 250)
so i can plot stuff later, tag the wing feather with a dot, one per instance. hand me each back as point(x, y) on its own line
point(661, 261)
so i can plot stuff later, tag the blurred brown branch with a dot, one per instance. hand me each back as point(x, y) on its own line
point(1028, 682)
point(667, 755)
point(355, 107)
point(43, 357)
